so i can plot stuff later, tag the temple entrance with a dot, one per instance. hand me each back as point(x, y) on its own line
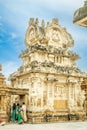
point(18, 97)
point(8, 96)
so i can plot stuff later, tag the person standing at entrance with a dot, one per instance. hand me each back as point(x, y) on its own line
point(20, 113)
point(24, 112)
point(13, 113)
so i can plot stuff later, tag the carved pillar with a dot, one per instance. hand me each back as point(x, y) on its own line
point(4, 99)
point(84, 87)
point(69, 86)
point(86, 101)
point(71, 96)
point(5, 107)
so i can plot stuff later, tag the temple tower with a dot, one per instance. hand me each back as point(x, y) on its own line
point(50, 73)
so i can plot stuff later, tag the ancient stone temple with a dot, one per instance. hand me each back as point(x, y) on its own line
point(80, 15)
point(50, 73)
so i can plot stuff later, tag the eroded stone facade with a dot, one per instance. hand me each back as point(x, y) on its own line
point(50, 73)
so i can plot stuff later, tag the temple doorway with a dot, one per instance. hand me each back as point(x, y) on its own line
point(18, 99)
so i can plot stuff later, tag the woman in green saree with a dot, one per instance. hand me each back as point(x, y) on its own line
point(13, 113)
point(19, 114)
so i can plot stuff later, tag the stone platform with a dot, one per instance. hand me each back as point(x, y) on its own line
point(51, 126)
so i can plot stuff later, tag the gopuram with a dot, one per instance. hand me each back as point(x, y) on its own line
point(50, 73)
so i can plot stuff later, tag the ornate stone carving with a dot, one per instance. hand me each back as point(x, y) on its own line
point(52, 32)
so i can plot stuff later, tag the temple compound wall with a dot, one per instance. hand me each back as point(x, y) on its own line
point(50, 73)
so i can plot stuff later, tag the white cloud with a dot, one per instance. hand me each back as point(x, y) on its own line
point(23, 9)
point(51, 3)
point(9, 67)
point(62, 4)
point(13, 35)
point(18, 45)
point(79, 36)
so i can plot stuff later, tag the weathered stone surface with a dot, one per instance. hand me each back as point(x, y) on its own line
point(80, 15)
point(50, 73)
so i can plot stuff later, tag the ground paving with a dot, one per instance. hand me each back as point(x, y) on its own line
point(47, 126)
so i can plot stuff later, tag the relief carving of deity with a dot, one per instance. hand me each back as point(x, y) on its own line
point(80, 99)
point(55, 35)
point(60, 91)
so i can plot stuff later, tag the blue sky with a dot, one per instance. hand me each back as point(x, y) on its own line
point(14, 18)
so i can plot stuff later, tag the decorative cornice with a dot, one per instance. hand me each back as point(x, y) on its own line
point(49, 49)
point(46, 67)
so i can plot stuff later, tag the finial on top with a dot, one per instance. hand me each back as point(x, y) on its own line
point(43, 23)
point(36, 22)
point(31, 22)
point(55, 21)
